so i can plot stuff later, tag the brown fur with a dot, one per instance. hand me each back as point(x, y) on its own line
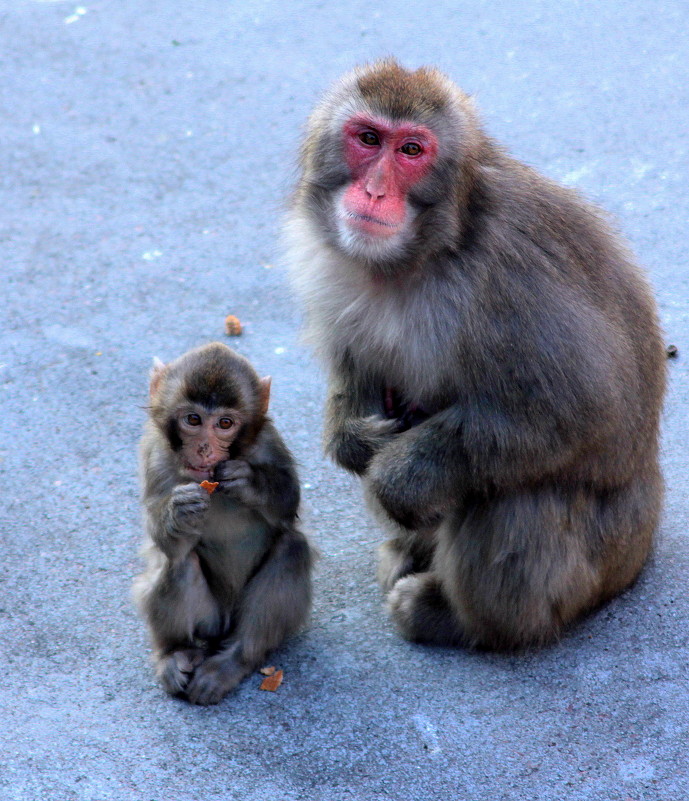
point(517, 463)
point(400, 94)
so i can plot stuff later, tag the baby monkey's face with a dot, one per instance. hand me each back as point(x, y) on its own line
point(206, 438)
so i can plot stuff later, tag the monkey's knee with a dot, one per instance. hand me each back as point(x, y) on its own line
point(179, 605)
point(422, 613)
point(277, 600)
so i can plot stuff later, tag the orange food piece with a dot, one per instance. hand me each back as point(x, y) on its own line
point(271, 683)
point(209, 486)
point(233, 328)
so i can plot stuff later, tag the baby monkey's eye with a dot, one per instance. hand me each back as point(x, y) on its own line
point(225, 422)
point(193, 419)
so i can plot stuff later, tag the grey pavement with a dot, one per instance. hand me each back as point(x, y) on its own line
point(146, 152)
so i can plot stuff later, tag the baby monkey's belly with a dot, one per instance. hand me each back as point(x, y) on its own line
point(232, 547)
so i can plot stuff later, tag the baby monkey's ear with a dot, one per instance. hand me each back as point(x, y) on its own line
point(263, 394)
point(156, 375)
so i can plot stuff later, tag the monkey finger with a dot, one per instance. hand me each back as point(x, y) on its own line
point(376, 422)
point(191, 507)
point(187, 518)
point(189, 494)
point(379, 430)
point(240, 481)
point(233, 469)
point(240, 489)
point(188, 490)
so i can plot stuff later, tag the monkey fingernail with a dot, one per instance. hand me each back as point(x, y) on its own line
point(268, 670)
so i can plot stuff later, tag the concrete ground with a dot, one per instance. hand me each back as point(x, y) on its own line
point(146, 150)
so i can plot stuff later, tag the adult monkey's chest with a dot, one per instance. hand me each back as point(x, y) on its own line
point(404, 340)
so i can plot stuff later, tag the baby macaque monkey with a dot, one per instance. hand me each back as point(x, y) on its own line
point(228, 573)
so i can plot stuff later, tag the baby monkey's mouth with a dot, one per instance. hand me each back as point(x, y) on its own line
point(205, 470)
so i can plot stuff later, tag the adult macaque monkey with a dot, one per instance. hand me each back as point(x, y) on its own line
point(229, 574)
point(496, 369)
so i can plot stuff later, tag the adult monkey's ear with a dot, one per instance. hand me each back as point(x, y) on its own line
point(263, 395)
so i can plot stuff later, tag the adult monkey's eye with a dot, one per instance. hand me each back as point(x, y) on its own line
point(411, 149)
point(225, 422)
point(193, 419)
point(369, 138)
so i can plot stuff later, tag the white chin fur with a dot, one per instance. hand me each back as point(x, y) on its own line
point(360, 245)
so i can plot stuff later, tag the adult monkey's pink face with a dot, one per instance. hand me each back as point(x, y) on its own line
point(386, 159)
